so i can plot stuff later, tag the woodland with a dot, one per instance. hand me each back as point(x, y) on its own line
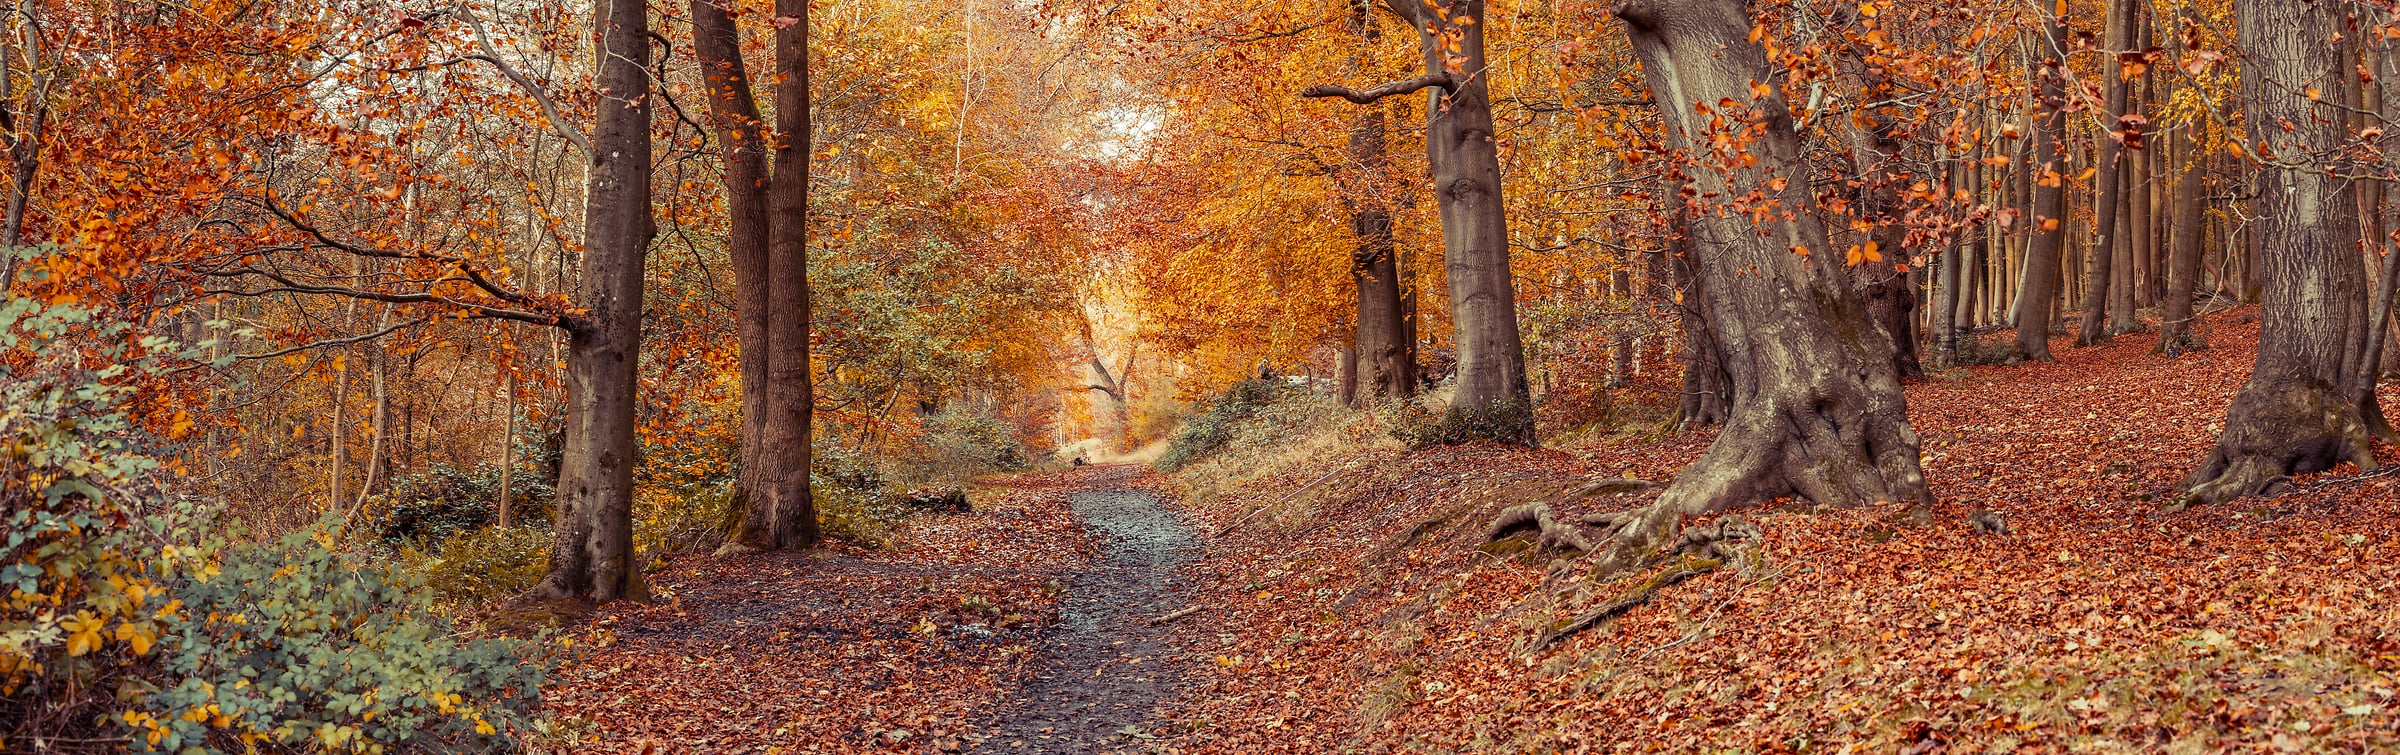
point(1074, 376)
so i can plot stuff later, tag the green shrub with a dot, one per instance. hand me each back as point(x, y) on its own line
point(123, 627)
point(486, 564)
point(296, 644)
point(1208, 432)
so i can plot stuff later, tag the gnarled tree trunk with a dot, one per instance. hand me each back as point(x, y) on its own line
point(593, 554)
point(1817, 410)
point(2297, 413)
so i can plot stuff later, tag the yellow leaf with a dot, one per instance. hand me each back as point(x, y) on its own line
point(1866, 10)
point(1870, 254)
point(1800, 250)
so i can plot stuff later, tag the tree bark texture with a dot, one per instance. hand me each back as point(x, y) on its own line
point(766, 242)
point(1381, 370)
point(2175, 333)
point(2108, 198)
point(1817, 409)
point(1461, 145)
point(2295, 414)
point(2048, 165)
point(593, 554)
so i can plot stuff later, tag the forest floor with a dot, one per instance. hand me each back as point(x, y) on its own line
point(1344, 607)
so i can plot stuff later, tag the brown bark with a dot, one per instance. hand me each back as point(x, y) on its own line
point(1817, 410)
point(766, 214)
point(2296, 414)
point(1381, 370)
point(2175, 333)
point(1491, 397)
point(1707, 391)
point(592, 556)
point(2039, 286)
point(2105, 284)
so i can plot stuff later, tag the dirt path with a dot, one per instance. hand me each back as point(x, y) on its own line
point(1104, 668)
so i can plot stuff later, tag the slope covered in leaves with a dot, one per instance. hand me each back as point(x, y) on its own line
point(1357, 615)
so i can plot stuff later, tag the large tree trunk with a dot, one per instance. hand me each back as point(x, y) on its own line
point(766, 216)
point(1817, 409)
point(793, 411)
point(593, 555)
point(1460, 144)
point(2295, 415)
point(2039, 288)
point(742, 143)
point(1462, 147)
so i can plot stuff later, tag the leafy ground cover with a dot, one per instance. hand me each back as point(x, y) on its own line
point(835, 650)
point(1363, 619)
point(1342, 603)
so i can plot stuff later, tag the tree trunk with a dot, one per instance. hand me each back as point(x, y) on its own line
point(1707, 391)
point(2294, 415)
point(1380, 363)
point(2041, 270)
point(1947, 279)
point(593, 554)
point(767, 243)
point(1492, 396)
point(794, 410)
point(2108, 199)
point(1817, 410)
point(508, 443)
point(2175, 333)
point(24, 128)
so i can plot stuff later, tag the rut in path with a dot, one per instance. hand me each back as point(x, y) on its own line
point(1104, 668)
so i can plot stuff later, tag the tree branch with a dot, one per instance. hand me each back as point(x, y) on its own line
point(483, 41)
point(1446, 80)
point(311, 345)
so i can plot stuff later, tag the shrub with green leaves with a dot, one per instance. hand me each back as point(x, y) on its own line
point(1204, 434)
point(124, 627)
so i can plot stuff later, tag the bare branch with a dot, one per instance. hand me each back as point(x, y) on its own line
point(313, 345)
point(1445, 80)
point(483, 41)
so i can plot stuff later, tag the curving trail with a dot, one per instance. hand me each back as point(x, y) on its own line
point(1104, 668)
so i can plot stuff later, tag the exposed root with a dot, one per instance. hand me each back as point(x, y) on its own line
point(1620, 606)
point(1611, 486)
point(1535, 518)
point(2275, 430)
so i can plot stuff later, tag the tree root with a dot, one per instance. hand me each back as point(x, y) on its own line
point(1704, 549)
point(1620, 606)
point(2275, 430)
point(1551, 535)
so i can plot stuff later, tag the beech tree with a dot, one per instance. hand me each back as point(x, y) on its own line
point(1382, 367)
point(1816, 409)
point(2308, 404)
point(1492, 395)
point(767, 242)
point(2039, 287)
point(593, 554)
point(2108, 198)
